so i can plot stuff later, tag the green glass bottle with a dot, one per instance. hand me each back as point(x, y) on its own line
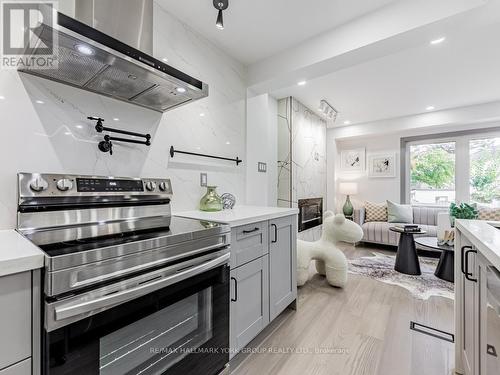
point(211, 201)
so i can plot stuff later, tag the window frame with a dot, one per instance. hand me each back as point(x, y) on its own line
point(462, 160)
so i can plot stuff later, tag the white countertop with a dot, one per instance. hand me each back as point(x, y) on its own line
point(17, 254)
point(484, 236)
point(240, 215)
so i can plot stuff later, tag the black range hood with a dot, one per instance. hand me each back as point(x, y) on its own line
point(94, 61)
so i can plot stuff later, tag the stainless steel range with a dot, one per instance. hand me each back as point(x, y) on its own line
point(128, 289)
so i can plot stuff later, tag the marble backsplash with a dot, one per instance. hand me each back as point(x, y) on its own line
point(44, 125)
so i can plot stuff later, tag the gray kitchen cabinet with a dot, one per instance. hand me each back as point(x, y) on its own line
point(248, 242)
point(470, 312)
point(282, 264)
point(20, 368)
point(249, 302)
point(15, 319)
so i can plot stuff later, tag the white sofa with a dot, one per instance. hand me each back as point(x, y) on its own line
point(378, 231)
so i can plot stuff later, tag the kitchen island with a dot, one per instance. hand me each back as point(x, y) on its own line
point(477, 297)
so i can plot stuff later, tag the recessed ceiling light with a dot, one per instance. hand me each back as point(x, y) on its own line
point(228, 143)
point(438, 40)
point(116, 119)
point(39, 102)
point(430, 108)
point(67, 133)
point(301, 83)
point(180, 89)
point(202, 115)
point(79, 127)
point(2, 97)
point(347, 122)
point(165, 59)
point(84, 49)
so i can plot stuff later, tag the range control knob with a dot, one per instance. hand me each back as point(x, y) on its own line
point(38, 185)
point(163, 186)
point(64, 184)
point(150, 186)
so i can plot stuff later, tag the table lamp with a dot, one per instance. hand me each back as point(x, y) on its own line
point(348, 188)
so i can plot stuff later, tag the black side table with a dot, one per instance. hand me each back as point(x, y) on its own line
point(445, 268)
point(406, 257)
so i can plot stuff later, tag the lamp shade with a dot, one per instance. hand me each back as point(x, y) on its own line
point(348, 188)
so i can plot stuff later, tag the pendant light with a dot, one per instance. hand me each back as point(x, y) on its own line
point(220, 5)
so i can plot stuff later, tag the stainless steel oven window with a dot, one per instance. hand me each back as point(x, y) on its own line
point(156, 342)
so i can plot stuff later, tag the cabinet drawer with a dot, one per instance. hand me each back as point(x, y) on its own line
point(15, 318)
point(248, 242)
point(21, 368)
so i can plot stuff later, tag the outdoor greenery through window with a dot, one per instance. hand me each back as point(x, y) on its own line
point(485, 171)
point(432, 173)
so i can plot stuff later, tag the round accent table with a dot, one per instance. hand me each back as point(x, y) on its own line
point(406, 257)
point(445, 268)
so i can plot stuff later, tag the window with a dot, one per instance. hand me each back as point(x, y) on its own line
point(484, 181)
point(432, 173)
point(463, 167)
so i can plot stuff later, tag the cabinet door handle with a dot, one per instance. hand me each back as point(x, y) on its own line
point(275, 233)
point(250, 231)
point(462, 259)
point(235, 290)
point(467, 273)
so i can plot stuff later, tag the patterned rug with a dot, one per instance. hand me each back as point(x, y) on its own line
point(381, 267)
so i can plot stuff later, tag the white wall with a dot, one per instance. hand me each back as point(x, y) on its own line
point(261, 147)
point(56, 137)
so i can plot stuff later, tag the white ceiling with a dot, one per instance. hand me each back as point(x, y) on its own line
point(463, 70)
point(256, 29)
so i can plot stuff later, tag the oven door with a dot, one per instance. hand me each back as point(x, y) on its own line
point(174, 320)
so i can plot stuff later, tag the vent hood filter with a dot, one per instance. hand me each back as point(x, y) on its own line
point(114, 69)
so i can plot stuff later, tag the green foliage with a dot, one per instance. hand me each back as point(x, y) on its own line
point(463, 211)
point(485, 175)
point(435, 168)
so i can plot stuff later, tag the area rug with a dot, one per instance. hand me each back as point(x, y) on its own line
point(381, 267)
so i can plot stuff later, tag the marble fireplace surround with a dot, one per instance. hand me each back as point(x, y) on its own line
point(302, 170)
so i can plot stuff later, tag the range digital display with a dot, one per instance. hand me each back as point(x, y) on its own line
point(97, 185)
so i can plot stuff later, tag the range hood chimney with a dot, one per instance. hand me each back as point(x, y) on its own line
point(106, 47)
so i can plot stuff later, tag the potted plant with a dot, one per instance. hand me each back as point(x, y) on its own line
point(462, 211)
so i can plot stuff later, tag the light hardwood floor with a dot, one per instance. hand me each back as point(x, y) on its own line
point(369, 320)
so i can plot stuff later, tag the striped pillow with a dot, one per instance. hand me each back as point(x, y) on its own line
point(375, 211)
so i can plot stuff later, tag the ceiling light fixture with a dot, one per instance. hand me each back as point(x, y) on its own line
point(438, 41)
point(220, 5)
point(39, 102)
point(165, 60)
point(116, 119)
point(430, 108)
point(327, 110)
point(301, 83)
point(347, 122)
point(180, 90)
point(2, 97)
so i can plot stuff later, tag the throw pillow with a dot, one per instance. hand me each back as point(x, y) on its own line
point(375, 211)
point(487, 213)
point(399, 213)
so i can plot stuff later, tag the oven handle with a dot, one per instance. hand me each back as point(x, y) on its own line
point(126, 271)
point(70, 311)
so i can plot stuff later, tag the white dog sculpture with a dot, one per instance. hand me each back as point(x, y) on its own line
point(330, 261)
